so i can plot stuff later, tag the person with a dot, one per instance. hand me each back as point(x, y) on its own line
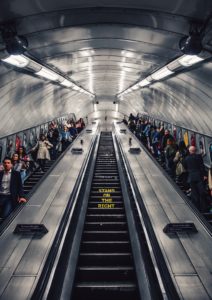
point(193, 163)
point(53, 137)
point(181, 154)
point(80, 125)
point(43, 146)
point(11, 188)
point(19, 165)
point(65, 137)
point(170, 152)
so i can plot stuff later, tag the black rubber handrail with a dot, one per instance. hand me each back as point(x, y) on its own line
point(200, 217)
point(44, 282)
point(168, 284)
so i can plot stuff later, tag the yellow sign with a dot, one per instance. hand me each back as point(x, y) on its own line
point(106, 198)
point(106, 205)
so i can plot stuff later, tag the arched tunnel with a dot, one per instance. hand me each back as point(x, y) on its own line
point(100, 61)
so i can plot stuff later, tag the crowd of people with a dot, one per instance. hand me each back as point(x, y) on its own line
point(15, 169)
point(181, 161)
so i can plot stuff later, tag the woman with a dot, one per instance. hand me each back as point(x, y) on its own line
point(43, 146)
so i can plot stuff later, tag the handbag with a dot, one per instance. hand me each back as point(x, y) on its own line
point(179, 168)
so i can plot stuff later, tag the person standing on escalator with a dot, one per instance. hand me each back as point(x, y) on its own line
point(43, 146)
point(194, 164)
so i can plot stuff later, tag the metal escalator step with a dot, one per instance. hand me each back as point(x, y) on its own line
point(97, 197)
point(106, 184)
point(106, 209)
point(98, 191)
point(105, 226)
point(105, 259)
point(105, 217)
point(107, 235)
point(208, 216)
point(108, 273)
point(105, 246)
point(106, 200)
point(106, 291)
point(105, 204)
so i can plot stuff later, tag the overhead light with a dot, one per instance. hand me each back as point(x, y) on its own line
point(66, 83)
point(75, 87)
point(19, 61)
point(135, 87)
point(189, 60)
point(44, 72)
point(162, 73)
point(144, 82)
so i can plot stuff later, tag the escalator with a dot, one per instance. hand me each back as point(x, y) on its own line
point(101, 250)
point(105, 267)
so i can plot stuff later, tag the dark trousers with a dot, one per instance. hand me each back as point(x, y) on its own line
point(198, 195)
point(42, 163)
point(6, 205)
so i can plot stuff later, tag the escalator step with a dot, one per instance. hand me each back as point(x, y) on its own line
point(106, 291)
point(109, 273)
point(105, 217)
point(105, 259)
point(105, 246)
point(105, 226)
point(107, 235)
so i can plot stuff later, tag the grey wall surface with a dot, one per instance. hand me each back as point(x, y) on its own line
point(185, 99)
point(27, 101)
point(105, 47)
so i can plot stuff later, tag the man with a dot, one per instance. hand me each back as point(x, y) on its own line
point(193, 163)
point(11, 189)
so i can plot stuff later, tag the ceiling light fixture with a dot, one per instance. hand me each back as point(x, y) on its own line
point(162, 73)
point(67, 83)
point(144, 82)
point(46, 73)
point(189, 60)
point(19, 61)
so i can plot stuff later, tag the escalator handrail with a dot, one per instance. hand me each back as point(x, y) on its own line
point(4, 225)
point(207, 226)
point(43, 284)
point(165, 278)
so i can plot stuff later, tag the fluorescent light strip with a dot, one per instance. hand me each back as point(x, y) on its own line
point(144, 82)
point(44, 72)
point(66, 83)
point(189, 60)
point(19, 61)
point(22, 61)
point(162, 73)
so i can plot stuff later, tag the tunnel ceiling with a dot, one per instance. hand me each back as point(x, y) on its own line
point(106, 46)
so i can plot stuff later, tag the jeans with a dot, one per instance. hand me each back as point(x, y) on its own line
point(6, 205)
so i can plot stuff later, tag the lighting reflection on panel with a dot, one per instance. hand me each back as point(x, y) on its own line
point(66, 83)
point(162, 73)
point(189, 60)
point(31, 65)
point(19, 61)
point(44, 72)
point(144, 82)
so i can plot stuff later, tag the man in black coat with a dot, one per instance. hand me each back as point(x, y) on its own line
point(193, 163)
point(11, 189)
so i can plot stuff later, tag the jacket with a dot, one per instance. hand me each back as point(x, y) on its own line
point(16, 187)
point(195, 167)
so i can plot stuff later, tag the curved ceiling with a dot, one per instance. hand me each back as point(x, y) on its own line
point(105, 47)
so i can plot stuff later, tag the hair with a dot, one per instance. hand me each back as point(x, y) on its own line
point(182, 146)
point(7, 158)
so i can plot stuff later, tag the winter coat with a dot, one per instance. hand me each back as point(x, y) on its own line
point(43, 152)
